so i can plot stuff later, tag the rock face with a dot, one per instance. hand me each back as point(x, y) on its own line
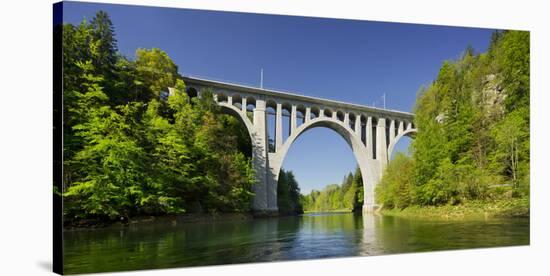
point(493, 96)
point(440, 118)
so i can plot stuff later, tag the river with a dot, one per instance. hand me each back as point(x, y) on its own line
point(311, 236)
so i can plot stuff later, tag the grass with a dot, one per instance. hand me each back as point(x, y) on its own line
point(504, 208)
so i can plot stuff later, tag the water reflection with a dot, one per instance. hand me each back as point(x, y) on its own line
point(162, 245)
point(369, 242)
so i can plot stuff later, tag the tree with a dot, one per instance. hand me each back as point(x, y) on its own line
point(360, 193)
point(510, 136)
point(130, 152)
point(348, 195)
point(473, 123)
point(395, 190)
point(155, 70)
point(352, 191)
point(289, 199)
point(103, 45)
point(109, 181)
point(513, 61)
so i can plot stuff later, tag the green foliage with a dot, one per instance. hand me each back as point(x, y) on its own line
point(395, 190)
point(473, 123)
point(155, 68)
point(129, 150)
point(289, 199)
point(511, 155)
point(103, 46)
point(475, 209)
point(511, 54)
point(347, 196)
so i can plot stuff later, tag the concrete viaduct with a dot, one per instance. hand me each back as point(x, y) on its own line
point(371, 132)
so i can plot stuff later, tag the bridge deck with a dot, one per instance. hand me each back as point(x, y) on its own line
point(280, 95)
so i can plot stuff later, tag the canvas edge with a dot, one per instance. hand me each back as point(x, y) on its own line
point(57, 264)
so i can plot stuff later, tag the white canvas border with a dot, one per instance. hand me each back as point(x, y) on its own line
point(25, 140)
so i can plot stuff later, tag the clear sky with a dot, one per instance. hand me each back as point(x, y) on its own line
point(346, 60)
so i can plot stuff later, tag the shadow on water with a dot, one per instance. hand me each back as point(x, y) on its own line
point(310, 236)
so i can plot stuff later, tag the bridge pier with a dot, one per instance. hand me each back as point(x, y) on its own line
point(265, 200)
point(370, 208)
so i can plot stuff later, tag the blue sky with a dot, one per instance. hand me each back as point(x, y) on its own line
point(347, 60)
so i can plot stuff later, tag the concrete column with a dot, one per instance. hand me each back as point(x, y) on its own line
point(260, 158)
point(215, 97)
point(279, 128)
point(334, 116)
point(369, 137)
point(392, 131)
point(400, 128)
point(230, 100)
point(321, 113)
point(358, 126)
point(381, 145)
point(308, 114)
point(292, 119)
point(409, 125)
point(243, 106)
point(346, 119)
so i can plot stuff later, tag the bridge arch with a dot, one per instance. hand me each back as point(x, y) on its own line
point(222, 97)
point(249, 104)
point(411, 132)
point(340, 115)
point(192, 92)
point(315, 112)
point(352, 118)
point(368, 167)
point(327, 112)
point(232, 110)
point(300, 115)
point(237, 100)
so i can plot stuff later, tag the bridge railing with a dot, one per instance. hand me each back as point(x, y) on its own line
point(195, 76)
point(256, 86)
point(241, 83)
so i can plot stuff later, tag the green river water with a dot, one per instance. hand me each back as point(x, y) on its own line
point(311, 236)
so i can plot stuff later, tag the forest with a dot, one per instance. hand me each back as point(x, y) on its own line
point(472, 146)
point(348, 196)
point(473, 132)
point(131, 148)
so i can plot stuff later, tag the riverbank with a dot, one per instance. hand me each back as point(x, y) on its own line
point(329, 211)
point(508, 208)
point(168, 219)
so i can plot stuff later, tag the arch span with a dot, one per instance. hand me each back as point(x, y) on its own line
point(409, 133)
point(236, 112)
point(369, 168)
